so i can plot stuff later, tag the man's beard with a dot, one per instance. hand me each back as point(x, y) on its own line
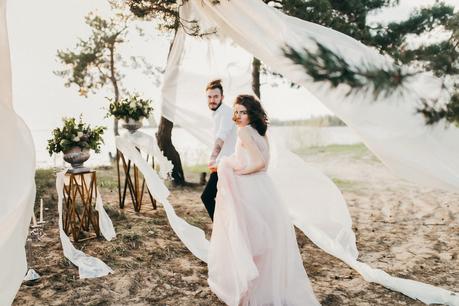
point(214, 108)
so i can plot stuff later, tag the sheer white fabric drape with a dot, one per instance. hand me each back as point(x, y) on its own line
point(17, 183)
point(389, 127)
point(183, 89)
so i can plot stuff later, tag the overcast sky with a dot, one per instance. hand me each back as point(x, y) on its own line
point(38, 28)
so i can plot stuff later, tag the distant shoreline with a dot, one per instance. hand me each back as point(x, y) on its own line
point(320, 121)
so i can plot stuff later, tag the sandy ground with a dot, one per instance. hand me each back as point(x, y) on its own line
point(406, 230)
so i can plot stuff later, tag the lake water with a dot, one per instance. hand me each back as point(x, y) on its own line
point(193, 152)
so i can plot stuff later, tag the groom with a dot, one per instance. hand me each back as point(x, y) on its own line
point(224, 140)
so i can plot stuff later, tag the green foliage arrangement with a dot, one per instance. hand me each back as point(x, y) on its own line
point(75, 134)
point(132, 107)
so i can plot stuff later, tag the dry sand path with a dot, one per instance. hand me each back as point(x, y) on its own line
point(406, 230)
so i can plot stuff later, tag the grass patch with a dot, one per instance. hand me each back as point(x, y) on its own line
point(108, 182)
point(115, 214)
point(45, 180)
point(196, 169)
point(132, 240)
point(107, 177)
point(357, 150)
point(343, 184)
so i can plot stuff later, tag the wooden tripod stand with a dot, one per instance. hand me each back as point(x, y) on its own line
point(80, 187)
point(132, 181)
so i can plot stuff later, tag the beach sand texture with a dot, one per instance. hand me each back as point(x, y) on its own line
point(407, 230)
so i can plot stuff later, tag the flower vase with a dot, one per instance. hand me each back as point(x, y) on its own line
point(76, 158)
point(132, 125)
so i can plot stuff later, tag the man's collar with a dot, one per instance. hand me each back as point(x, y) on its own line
point(218, 106)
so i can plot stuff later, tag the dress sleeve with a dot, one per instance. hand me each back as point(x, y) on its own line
point(256, 160)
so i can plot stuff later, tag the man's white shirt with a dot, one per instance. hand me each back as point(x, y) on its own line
point(225, 129)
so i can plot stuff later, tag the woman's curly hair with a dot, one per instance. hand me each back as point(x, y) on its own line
point(257, 115)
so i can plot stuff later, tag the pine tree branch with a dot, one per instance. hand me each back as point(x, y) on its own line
point(326, 65)
point(433, 114)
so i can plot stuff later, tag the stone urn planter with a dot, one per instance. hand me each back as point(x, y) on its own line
point(132, 125)
point(76, 158)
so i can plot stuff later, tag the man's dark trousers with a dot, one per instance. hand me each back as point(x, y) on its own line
point(209, 194)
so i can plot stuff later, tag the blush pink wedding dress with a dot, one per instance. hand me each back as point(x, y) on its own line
point(254, 257)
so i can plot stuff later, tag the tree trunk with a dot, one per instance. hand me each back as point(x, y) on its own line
point(115, 85)
point(116, 127)
point(256, 76)
point(164, 139)
point(165, 144)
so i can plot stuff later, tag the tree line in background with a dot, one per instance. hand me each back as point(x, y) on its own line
point(315, 121)
point(95, 62)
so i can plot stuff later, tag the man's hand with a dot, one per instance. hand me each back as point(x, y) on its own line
point(212, 165)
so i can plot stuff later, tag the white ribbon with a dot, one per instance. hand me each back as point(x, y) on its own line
point(193, 237)
point(148, 144)
point(88, 266)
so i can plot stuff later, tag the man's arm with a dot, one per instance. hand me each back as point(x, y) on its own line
point(215, 151)
point(224, 129)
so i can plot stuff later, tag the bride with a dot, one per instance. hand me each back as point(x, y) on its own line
point(254, 257)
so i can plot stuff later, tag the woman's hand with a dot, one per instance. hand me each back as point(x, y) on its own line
point(239, 168)
point(240, 171)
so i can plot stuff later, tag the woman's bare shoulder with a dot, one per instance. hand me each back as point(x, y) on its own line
point(244, 131)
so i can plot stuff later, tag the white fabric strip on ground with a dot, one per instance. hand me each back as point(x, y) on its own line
point(88, 266)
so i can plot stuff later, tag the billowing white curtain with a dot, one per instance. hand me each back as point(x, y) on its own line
point(17, 184)
point(217, 59)
point(389, 126)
